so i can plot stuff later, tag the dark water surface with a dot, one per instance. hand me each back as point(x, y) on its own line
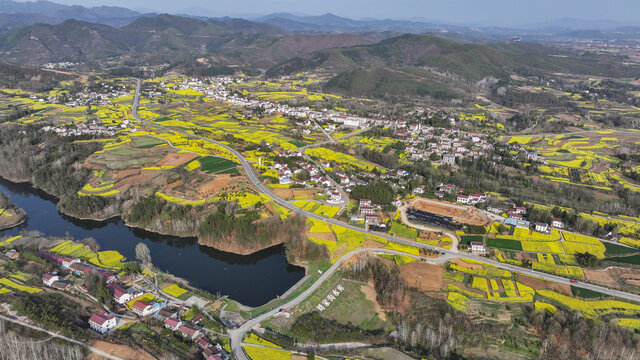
point(252, 280)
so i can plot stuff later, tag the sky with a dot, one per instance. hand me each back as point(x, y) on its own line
point(480, 12)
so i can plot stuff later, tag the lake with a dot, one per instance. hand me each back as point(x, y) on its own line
point(252, 280)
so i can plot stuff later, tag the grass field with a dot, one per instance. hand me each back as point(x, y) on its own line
point(633, 259)
point(403, 230)
point(613, 249)
point(216, 165)
point(506, 244)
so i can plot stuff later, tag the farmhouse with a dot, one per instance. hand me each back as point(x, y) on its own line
point(102, 322)
point(557, 223)
point(49, 278)
point(173, 324)
point(189, 331)
point(477, 247)
point(120, 295)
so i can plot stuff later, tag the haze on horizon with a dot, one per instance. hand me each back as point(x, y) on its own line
point(469, 12)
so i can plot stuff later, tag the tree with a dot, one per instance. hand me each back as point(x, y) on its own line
point(587, 259)
point(143, 254)
point(91, 243)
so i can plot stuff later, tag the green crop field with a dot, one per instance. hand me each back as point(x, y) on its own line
point(145, 142)
point(507, 244)
point(614, 249)
point(586, 293)
point(466, 239)
point(216, 165)
point(633, 260)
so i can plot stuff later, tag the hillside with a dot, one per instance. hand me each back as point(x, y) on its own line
point(408, 63)
point(165, 38)
point(30, 79)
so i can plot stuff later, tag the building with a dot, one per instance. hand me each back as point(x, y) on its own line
point(543, 228)
point(448, 159)
point(557, 223)
point(371, 219)
point(49, 278)
point(102, 322)
point(462, 199)
point(477, 247)
point(120, 295)
point(189, 331)
point(365, 202)
point(173, 324)
point(142, 308)
point(419, 190)
point(367, 210)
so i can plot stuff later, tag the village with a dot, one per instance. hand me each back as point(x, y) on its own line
point(134, 298)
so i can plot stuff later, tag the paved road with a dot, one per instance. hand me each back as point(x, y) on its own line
point(251, 174)
point(236, 335)
point(56, 335)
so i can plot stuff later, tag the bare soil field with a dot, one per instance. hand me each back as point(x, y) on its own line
point(461, 214)
point(423, 276)
point(121, 351)
point(323, 236)
point(215, 185)
point(601, 277)
point(293, 193)
point(176, 159)
point(464, 264)
point(370, 294)
point(542, 284)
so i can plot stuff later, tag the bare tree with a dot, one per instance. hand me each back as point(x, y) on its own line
point(91, 243)
point(143, 253)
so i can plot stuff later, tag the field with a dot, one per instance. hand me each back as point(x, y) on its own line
point(216, 165)
point(317, 208)
point(262, 353)
point(10, 284)
point(174, 290)
point(325, 154)
point(403, 230)
point(106, 259)
point(592, 309)
point(462, 214)
point(252, 338)
point(507, 244)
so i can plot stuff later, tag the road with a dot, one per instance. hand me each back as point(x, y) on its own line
point(56, 335)
point(236, 335)
point(253, 177)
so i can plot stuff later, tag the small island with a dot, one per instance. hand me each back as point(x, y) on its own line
point(10, 215)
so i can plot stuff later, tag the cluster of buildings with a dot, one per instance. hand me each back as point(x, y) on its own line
point(88, 128)
point(190, 330)
point(316, 177)
point(368, 213)
point(517, 219)
point(471, 199)
point(449, 144)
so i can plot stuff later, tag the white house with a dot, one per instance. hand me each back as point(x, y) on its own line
point(543, 228)
point(419, 189)
point(102, 322)
point(142, 308)
point(557, 223)
point(50, 278)
point(477, 247)
point(120, 295)
point(463, 199)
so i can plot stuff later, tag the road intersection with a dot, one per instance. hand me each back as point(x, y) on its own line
point(237, 334)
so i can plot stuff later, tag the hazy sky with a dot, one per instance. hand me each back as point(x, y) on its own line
point(485, 12)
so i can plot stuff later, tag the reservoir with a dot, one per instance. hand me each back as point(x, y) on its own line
point(252, 280)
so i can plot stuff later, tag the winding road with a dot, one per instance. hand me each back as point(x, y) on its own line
point(237, 334)
point(56, 335)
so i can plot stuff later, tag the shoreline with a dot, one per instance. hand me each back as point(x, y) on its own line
point(187, 283)
point(200, 241)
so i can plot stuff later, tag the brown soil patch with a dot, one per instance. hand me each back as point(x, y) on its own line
point(461, 214)
point(370, 294)
point(298, 357)
point(464, 264)
point(423, 276)
point(127, 172)
point(539, 284)
point(144, 177)
point(373, 244)
point(121, 351)
point(601, 277)
point(176, 159)
point(293, 193)
point(214, 186)
point(323, 236)
point(428, 235)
